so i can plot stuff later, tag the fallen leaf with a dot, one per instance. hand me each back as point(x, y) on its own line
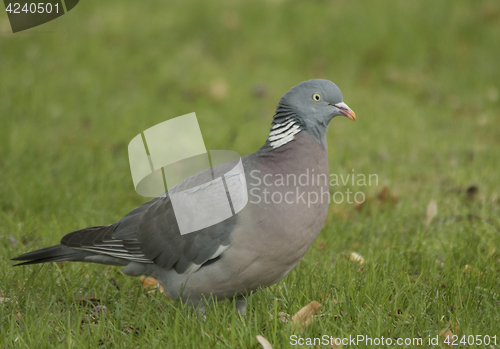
point(446, 335)
point(432, 211)
point(334, 344)
point(385, 196)
point(264, 342)
point(149, 281)
point(304, 316)
point(358, 206)
point(356, 258)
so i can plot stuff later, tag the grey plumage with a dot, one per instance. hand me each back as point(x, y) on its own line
point(256, 247)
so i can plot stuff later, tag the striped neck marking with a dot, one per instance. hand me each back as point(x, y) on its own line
point(283, 133)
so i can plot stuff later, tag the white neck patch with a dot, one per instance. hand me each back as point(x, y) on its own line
point(283, 133)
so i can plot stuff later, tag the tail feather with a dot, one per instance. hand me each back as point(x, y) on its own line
point(57, 253)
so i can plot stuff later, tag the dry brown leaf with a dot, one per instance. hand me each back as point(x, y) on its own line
point(356, 258)
point(304, 316)
point(432, 211)
point(358, 206)
point(149, 281)
point(17, 317)
point(385, 196)
point(446, 335)
point(264, 342)
point(334, 345)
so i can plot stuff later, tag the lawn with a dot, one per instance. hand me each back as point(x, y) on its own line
point(424, 80)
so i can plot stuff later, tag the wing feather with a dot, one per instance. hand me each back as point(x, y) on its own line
point(150, 234)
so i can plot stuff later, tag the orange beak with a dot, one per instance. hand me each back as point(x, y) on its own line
point(351, 115)
point(346, 111)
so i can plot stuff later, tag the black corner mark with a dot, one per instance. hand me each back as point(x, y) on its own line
point(28, 14)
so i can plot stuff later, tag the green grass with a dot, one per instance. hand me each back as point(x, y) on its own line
point(423, 78)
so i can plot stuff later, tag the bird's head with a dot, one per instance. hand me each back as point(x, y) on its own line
point(313, 104)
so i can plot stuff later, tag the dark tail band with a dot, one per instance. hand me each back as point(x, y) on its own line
point(57, 253)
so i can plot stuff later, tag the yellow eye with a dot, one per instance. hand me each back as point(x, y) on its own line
point(317, 97)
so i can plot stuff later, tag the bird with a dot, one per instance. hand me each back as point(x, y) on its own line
point(288, 197)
